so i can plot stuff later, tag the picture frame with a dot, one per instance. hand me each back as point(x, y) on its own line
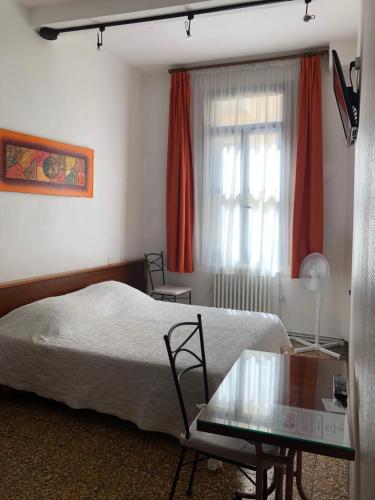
point(30, 164)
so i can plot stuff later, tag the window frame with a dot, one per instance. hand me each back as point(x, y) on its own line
point(245, 131)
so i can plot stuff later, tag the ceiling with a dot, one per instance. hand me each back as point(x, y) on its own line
point(242, 33)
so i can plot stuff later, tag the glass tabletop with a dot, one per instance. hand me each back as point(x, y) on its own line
point(280, 396)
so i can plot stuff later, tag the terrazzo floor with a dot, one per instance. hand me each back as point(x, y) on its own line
point(49, 451)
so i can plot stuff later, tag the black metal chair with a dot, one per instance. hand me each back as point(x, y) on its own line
point(171, 293)
point(205, 445)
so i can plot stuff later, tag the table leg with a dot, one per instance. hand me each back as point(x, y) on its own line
point(289, 476)
point(259, 471)
point(279, 479)
point(299, 476)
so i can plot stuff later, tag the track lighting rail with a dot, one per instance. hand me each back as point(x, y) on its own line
point(52, 33)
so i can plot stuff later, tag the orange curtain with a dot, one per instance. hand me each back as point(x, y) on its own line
point(308, 224)
point(180, 184)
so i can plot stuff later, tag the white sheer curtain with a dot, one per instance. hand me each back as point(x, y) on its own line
point(243, 147)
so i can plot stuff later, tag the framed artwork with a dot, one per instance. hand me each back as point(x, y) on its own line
point(31, 164)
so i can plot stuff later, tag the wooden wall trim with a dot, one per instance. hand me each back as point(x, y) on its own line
point(14, 294)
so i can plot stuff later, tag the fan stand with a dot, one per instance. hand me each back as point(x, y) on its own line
point(316, 345)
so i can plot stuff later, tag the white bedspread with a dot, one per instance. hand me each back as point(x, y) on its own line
point(103, 348)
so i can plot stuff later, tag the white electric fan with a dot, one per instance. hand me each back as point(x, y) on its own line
point(314, 274)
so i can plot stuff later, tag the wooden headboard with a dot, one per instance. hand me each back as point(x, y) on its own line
point(18, 293)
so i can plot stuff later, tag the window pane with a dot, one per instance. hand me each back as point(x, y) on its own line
point(262, 188)
point(248, 110)
point(230, 166)
point(263, 166)
point(230, 147)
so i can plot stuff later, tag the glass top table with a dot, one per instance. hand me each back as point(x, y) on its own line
point(277, 399)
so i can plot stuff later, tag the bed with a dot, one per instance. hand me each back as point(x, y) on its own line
point(101, 347)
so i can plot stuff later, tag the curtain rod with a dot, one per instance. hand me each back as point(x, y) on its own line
point(52, 33)
point(323, 51)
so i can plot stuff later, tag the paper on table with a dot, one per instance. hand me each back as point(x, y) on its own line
point(312, 425)
point(299, 422)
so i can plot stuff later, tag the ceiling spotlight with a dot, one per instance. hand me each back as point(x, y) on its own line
point(99, 42)
point(307, 17)
point(187, 26)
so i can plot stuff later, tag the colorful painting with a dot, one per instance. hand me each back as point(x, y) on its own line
point(33, 165)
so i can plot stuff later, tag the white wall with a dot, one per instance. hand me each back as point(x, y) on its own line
point(362, 337)
point(68, 91)
point(298, 305)
point(347, 50)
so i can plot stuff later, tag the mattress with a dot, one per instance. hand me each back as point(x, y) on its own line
point(102, 348)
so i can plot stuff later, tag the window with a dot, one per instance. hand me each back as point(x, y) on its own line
point(246, 140)
point(243, 136)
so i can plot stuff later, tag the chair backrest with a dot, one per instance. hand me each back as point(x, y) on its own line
point(155, 264)
point(199, 361)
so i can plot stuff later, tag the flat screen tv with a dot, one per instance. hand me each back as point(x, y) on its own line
point(347, 101)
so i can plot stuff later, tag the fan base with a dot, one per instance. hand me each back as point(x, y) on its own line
point(313, 346)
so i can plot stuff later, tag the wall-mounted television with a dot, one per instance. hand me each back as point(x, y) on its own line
point(347, 100)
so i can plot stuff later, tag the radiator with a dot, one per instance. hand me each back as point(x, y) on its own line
point(249, 293)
